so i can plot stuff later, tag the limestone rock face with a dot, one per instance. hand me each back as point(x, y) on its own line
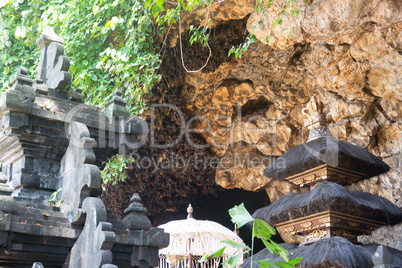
point(338, 21)
point(390, 236)
point(347, 53)
point(263, 26)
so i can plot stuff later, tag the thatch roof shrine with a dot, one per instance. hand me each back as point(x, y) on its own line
point(330, 252)
point(329, 205)
point(326, 157)
point(323, 157)
point(328, 218)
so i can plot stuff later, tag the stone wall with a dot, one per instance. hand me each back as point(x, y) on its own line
point(390, 236)
point(347, 53)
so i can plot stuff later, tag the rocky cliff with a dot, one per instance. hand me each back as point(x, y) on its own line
point(347, 53)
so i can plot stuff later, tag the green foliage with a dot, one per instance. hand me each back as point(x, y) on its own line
point(55, 197)
point(240, 215)
point(18, 30)
point(110, 44)
point(167, 17)
point(261, 230)
point(262, 6)
point(238, 51)
point(199, 34)
point(115, 170)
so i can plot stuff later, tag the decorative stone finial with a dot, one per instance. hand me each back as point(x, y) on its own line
point(22, 71)
point(316, 119)
point(134, 215)
point(190, 212)
point(23, 83)
point(48, 36)
point(117, 114)
point(382, 258)
point(118, 92)
point(116, 108)
point(315, 113)
point(75, 95)
point(53, 65)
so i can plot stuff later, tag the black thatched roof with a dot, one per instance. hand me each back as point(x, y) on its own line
point(328, 252)
point(326, 150)
point(330, 196)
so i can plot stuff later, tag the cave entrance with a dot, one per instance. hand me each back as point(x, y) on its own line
point(216, 209)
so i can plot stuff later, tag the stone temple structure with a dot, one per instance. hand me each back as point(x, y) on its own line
point(327, 220)
point(49, 140)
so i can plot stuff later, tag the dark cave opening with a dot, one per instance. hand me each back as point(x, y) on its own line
point(166, 193)
point(258, 106)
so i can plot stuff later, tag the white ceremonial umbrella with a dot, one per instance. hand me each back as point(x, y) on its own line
point(190, 239)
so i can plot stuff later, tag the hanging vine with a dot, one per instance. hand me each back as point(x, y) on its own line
point(114, 45)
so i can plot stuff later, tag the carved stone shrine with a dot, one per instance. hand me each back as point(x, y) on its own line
point(49, 140)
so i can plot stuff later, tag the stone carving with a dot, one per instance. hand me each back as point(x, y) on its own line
point(116, 107)
point(80, 175)
point(31, 146)
point(382, 258)
point(53, 65)
point(147, 247)
point(144, 257)
point(5, 223)
point(75, 95)
point(47, 141)
point(23, 83)
point(316, 119)
point(21, 95)
point(135, 218)
point(316, 234)
point(93, 247)
point(23, 172)
point(34, 119)
point(315, 112)
point(125, 131)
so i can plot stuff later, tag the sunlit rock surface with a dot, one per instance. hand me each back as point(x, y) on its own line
point(347, 53)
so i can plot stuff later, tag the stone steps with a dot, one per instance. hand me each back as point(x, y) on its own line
point(45, 230)
point(40, 232)
point(38, 218)
point(41, 220)
point(41, 240)
point(38, 204)
point(40, 214)
point(5, 189)
point(25, 259)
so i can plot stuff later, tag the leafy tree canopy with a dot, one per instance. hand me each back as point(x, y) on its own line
point(110, 44)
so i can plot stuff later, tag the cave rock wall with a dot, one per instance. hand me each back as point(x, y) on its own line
point(347, 53)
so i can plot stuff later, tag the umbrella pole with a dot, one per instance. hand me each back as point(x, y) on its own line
point(190, 257)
